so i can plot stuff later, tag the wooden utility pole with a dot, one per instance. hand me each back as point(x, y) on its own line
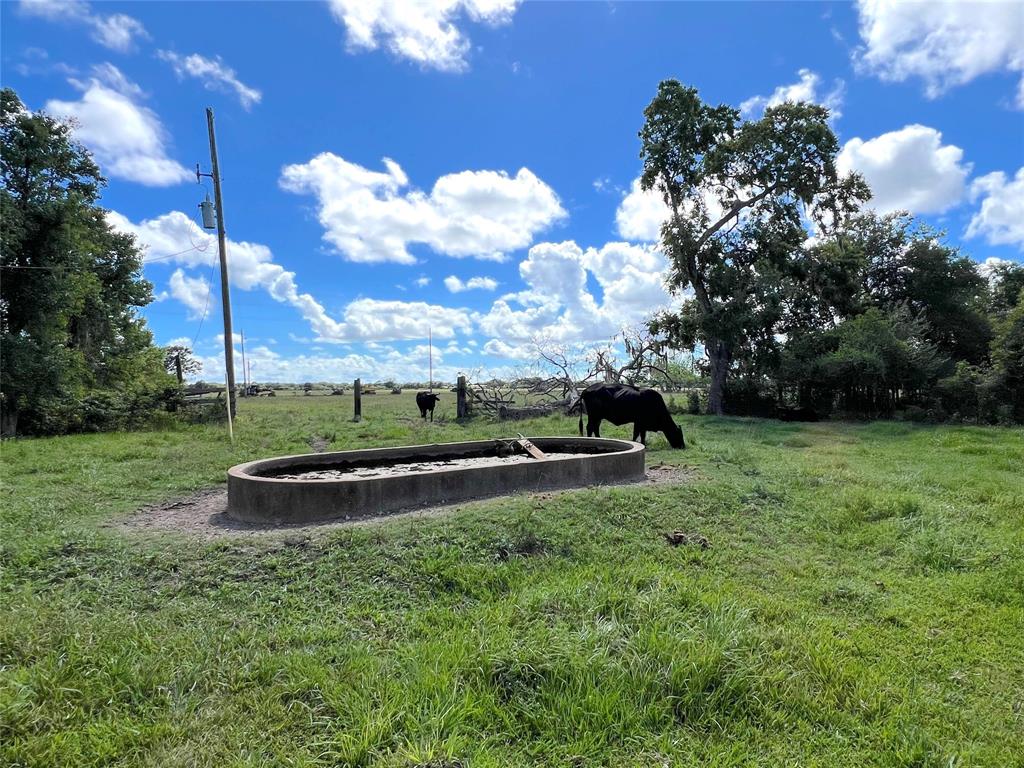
point(430, 354)
point(357, 390)
point(229, 351)
point(177, 369)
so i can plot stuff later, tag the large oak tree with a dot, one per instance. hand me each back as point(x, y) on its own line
point(740, 196)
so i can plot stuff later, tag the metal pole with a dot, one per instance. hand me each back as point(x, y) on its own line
point(231, 428)
point(460, 399)
point(229, 352)
point(430, 352)
point(357, 391)
point(245, 374)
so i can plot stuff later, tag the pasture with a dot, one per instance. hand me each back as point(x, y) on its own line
point(861, 603)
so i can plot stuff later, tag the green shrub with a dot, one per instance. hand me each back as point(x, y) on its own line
point(210, 412)
point(693, 404)
point(914, 413)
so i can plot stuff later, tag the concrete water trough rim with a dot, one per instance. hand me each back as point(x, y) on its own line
point(244, 469)
point(254, 497)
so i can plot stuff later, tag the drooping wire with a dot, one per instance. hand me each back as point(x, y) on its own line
point(200, 248)
point(206, 245)
point(194, 247)
point(206, 307)
point(209, 279)
point(171, 255)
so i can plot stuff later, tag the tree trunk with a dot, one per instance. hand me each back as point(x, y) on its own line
point(719, 359)
point(8, 422)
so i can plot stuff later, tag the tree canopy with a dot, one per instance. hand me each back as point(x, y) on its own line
point(739, 195)
point(76, 355)
point(795, 294)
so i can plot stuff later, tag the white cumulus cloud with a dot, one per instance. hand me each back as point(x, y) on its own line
point(372, 216)
point(456, 285)
point(374, 319)
point(424, 31)
point(173, 238)
point(381, 364)
point(909, 169)
point(558, 304)
point(193, 292)
point(946, 44)
point(214, 74)
point(807, 88)
point(641, 214)
point(126, 137)
point(1000, 219)
point(116, 31)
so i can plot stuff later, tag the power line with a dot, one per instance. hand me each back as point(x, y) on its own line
point(172, 255)
point(201, 234)
point(144, 260)
point(206, 309)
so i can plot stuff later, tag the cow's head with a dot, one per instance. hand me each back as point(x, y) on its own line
point(674, 434)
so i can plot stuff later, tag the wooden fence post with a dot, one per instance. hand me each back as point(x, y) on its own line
point(461, 409)
point(357, 389)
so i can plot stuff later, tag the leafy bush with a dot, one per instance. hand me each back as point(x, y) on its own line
point(693, 404)
point(747, 397)
point(914, 413)
point(210, 412)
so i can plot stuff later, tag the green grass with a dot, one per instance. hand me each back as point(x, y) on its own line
point(862, 603)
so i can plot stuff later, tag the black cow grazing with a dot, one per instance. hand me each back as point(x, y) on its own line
point(796, 414)
point(426, 402)
point(623, 404)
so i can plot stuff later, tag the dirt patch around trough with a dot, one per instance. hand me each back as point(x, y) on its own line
point(203, 514)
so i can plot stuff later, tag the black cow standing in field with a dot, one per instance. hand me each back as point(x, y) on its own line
point(623, 404)
point(426, 402)
point(796, 414)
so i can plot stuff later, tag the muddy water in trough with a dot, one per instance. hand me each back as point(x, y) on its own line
point(391, 470)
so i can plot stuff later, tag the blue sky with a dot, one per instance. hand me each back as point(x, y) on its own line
point(469, 166)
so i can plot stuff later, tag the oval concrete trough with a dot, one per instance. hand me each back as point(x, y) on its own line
point(257, 493)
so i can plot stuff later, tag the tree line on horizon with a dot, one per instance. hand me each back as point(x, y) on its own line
point(872, 317)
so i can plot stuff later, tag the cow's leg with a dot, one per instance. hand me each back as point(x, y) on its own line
point(593, 427)
point(431, 415)
point(636, 433)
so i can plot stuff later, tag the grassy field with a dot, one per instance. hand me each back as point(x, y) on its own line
point(861, 603)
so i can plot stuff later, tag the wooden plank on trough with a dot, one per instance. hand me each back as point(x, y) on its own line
point(531, 449)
